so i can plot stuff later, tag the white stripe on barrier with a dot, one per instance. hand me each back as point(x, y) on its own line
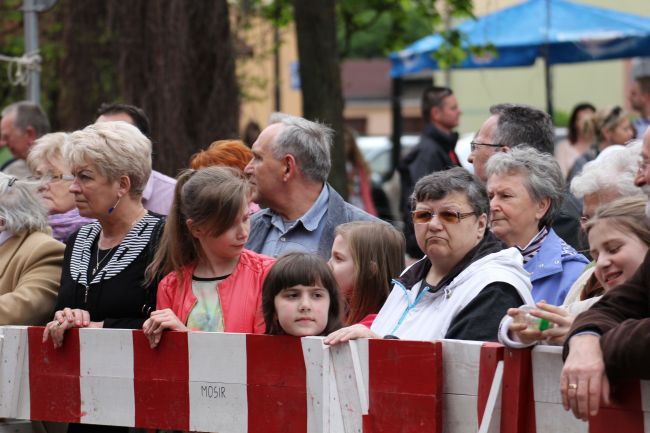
point(550, 415)
point(106, 377)
point(491, 419)
point(14, 373)
point(218, 391)
point(461, 366)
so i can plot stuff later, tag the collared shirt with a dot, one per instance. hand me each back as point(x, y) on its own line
point(4, 237)
point(301, 235)
point(641, 125)
point(529, 251)
point(158, 194)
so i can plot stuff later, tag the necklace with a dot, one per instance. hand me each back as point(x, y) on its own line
point(98, 262)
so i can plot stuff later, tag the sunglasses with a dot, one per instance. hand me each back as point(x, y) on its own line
point(445, 216)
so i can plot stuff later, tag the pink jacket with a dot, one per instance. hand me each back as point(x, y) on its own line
point(240, 294)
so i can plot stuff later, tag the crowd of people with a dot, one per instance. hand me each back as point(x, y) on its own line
point(255, 240)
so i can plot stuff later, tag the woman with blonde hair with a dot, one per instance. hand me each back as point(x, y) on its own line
point(45, 161)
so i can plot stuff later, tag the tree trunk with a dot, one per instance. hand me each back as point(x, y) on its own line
point(320, 76)
point(176, 61)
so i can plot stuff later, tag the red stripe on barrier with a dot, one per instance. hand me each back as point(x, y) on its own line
point(625, 414)
point(54, 388)
point(405, 387)
point(277, 384)
point(517, 398)
point(161, 382)
point(491, 354)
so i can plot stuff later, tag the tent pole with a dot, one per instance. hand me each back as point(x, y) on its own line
point(396, 108)
point(547, 68)
point(549, 87)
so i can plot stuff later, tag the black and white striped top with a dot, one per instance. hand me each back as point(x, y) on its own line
point(129, 249)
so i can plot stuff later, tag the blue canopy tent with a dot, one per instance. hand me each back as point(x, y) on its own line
point(572, 32)
point(559, 31)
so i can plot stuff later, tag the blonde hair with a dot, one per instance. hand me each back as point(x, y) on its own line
point(115, 149)
point(46, 149)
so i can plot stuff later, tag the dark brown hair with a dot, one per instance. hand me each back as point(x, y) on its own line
point(293, 269)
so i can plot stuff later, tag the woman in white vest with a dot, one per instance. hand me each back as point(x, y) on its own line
point(467, 278)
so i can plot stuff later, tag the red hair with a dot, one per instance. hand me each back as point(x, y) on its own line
point(229, 153)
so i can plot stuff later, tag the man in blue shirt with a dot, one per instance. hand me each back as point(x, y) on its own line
point(288, 175)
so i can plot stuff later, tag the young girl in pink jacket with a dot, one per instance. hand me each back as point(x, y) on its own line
point(212, 282)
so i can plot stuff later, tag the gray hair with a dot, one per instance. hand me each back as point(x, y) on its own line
point(523, 125)
point(20, 207)
point(542, 173)
point(115, 149)
point(617, 171)
point(438, 185)
point(309, 142)
point(28, 114)
point(46, 149)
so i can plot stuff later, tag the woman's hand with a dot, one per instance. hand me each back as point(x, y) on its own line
point(349, 333)
point(159, 321)
point(65, 319)
point(583, 381)
point(518, 329)
point(557, 315)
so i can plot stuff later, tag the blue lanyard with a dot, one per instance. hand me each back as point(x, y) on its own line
point(410, 306)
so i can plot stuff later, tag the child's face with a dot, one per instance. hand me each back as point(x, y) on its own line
point(302, 310)
point(342, 266)
point(229, 244)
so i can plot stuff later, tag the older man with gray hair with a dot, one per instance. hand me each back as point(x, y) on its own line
point(22, 123)
point(288, 175)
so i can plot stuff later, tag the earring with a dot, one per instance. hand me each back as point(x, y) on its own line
point(111, 209)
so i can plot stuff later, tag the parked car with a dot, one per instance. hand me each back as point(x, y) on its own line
point(377, 151)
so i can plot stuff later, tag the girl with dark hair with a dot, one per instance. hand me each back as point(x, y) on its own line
point(212, 282)
point(300, 297)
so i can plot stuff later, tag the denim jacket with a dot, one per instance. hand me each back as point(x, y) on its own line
point(554, 269)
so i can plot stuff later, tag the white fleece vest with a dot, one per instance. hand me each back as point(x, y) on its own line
point(427, 316)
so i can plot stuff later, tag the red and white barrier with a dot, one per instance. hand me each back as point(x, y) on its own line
point(235, 383)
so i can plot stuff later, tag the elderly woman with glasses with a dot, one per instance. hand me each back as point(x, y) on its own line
point(30, 260)
point(525, 188)
point(467, 280)
point(45, 161)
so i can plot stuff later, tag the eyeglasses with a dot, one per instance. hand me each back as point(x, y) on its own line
point(445, 216)
point(49, 177)
point(474, 144)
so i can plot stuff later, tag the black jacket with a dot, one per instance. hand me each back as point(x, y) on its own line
point(434, 152)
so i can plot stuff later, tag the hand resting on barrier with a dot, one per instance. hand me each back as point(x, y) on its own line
point(65, 319)
point(349, 333)
point(583, 380)
point(157, 322)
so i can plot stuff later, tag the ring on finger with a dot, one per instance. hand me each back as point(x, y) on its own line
point(573, 386)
